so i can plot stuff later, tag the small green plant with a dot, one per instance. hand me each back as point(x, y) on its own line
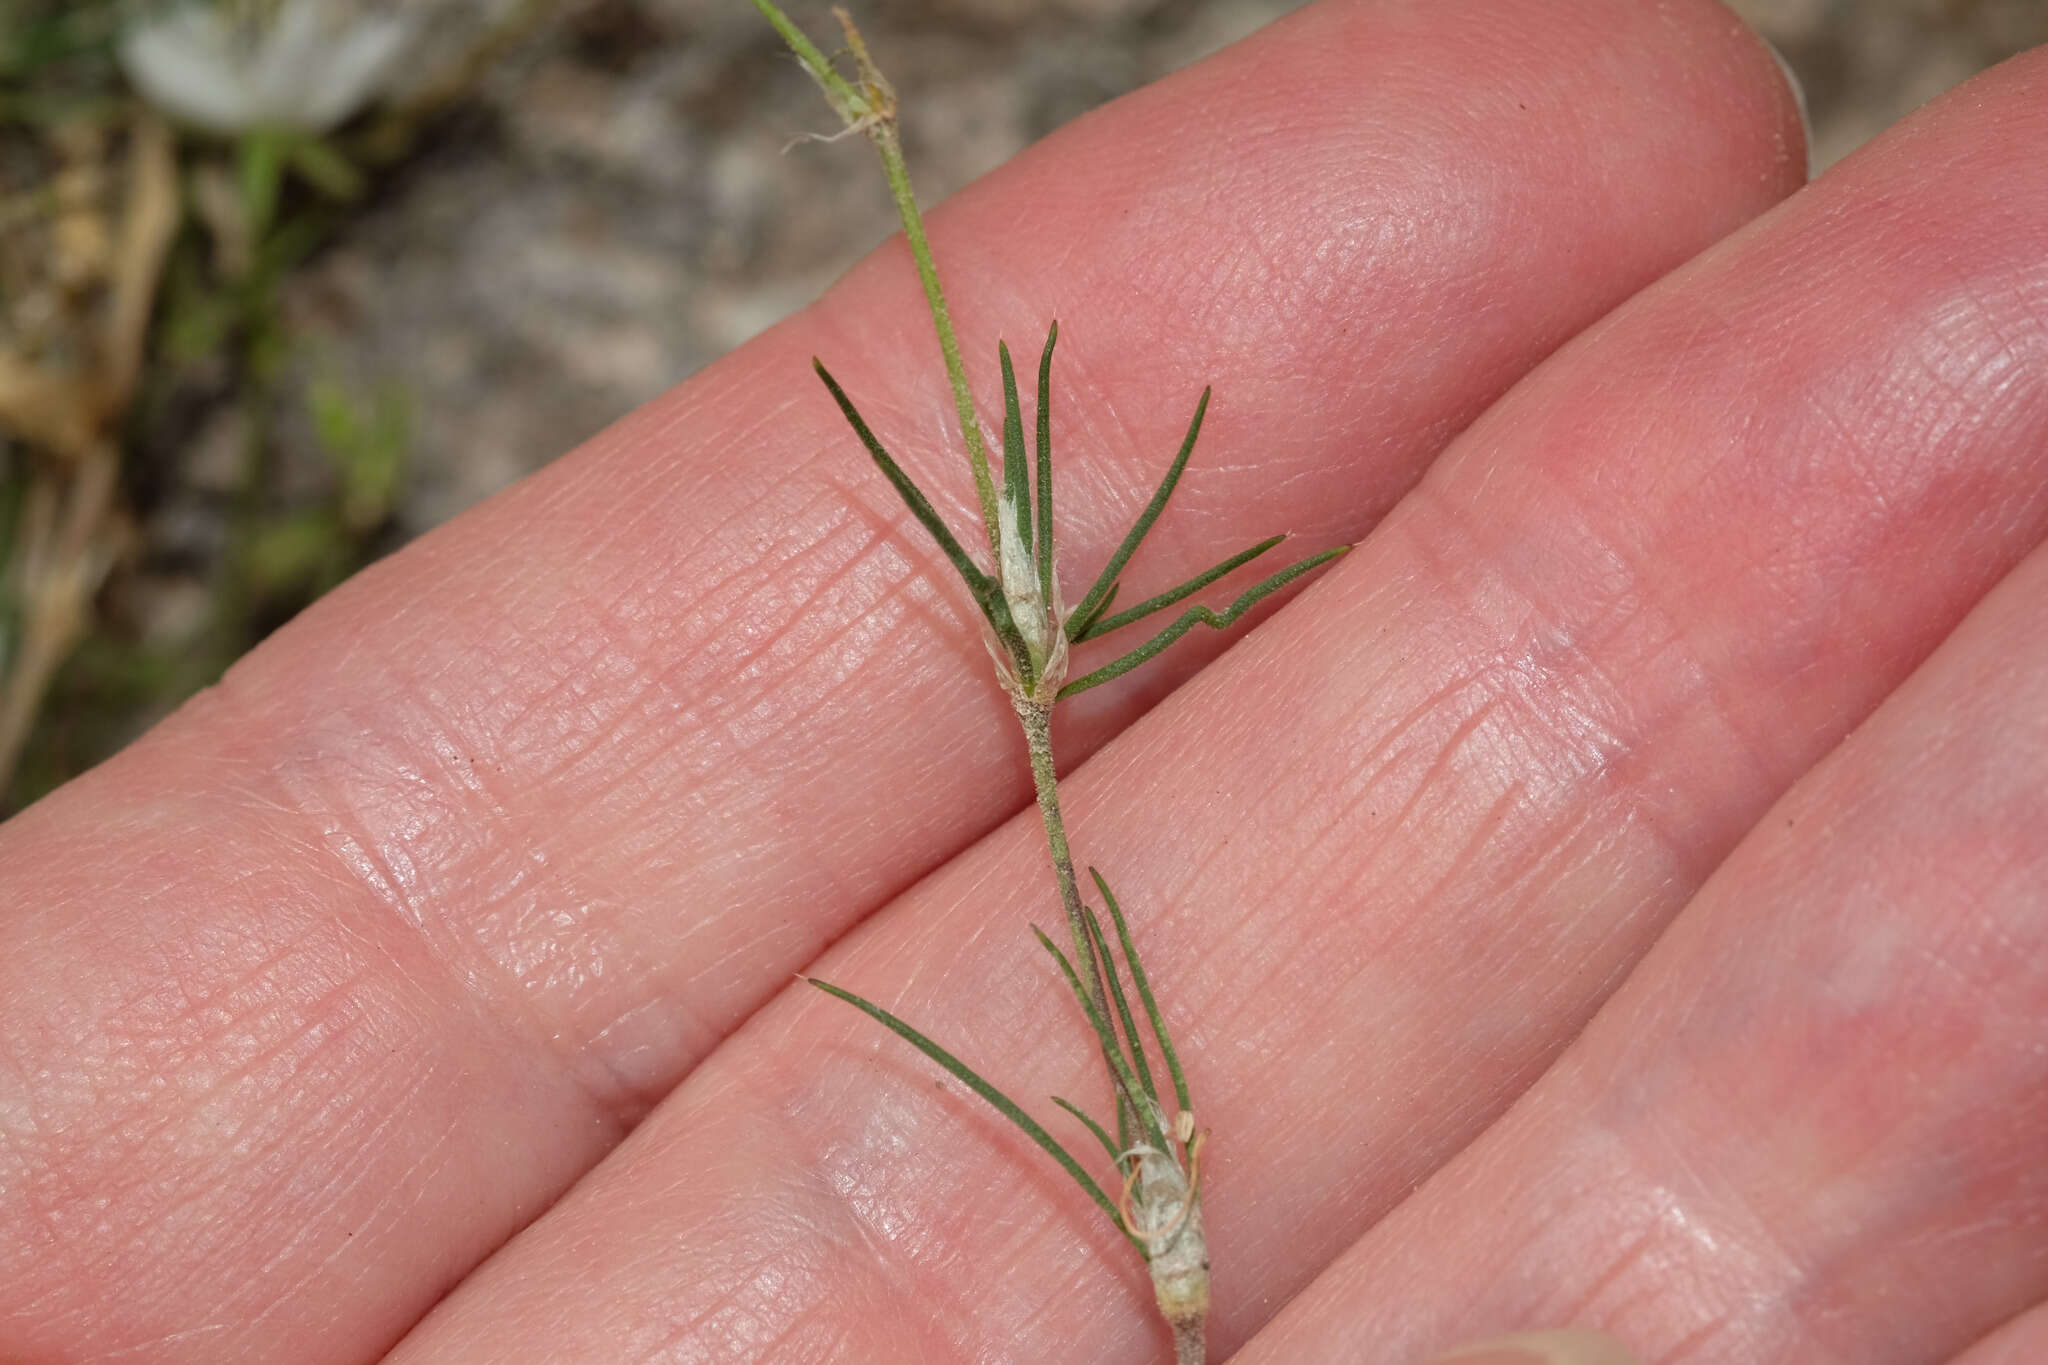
point(1156, 1154)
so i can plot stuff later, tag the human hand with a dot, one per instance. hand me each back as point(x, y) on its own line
point(1691, 698)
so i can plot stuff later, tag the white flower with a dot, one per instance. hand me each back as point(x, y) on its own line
point(306, 67)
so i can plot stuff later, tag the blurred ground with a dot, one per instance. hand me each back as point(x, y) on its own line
point(643, 220)
point(607, 209)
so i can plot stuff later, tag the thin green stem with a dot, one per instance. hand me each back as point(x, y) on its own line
point(1037, 721)
point(869, 109)
point(846, 102)
point(883, 135)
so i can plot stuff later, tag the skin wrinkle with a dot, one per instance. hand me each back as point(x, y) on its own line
point(1511, 663)
point(398, 1194)
point(524, 971)
point(186, 1005)
point(755, 1304)
point(512, 1013)
point(1622, 1266)
point(1660, 1298)
point(252, 1147)
point(1631, 602)
point(337, 1012)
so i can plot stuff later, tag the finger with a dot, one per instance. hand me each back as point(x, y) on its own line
point(1542, 1348)
point(1809, 1128)
point(2022, 1341)
point(1388, 856)
point(323, 988)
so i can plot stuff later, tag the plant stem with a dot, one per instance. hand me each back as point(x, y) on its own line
point(1190, 1340)
point(1179, 1262)
point(883, 135)
point(869, 109)
point(1037, 721)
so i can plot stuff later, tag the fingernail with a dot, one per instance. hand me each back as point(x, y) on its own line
point(1798, 94)
point(1569, 1347)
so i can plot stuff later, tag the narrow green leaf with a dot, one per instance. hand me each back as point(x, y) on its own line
point(1138, 979)
point(1195, 616)
point(1016, 466)
point(1123, 1007)
point(1092, 603)
point(997, 1100)
point(1119, 1065)
point(986, 591)
point(1101, 1136)
point(913, 496)
point(1104, 625)
point(1077, 629)
point(1045, 465)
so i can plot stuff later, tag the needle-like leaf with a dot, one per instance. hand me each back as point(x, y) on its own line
point(1120, 1065)
point(1202, 616)
point(1000, 1102)
point(913, 497)
point(986, 591)
point(1103, 625)
point(1138, 979)
point(1092, 603)
point(1077, 629)
point(1016, 465)
point(1101, 1136)
point(1045, 465)
point(1123, 1007)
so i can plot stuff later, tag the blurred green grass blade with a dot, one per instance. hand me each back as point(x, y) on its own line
point(1138, 979)
point(1045, 466)
point(1195, 616)
point(1000, 1102)
point(259, 165)
point(1104, 625)
point(1016, 466)
point(1092, 603)
point(326, 168)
